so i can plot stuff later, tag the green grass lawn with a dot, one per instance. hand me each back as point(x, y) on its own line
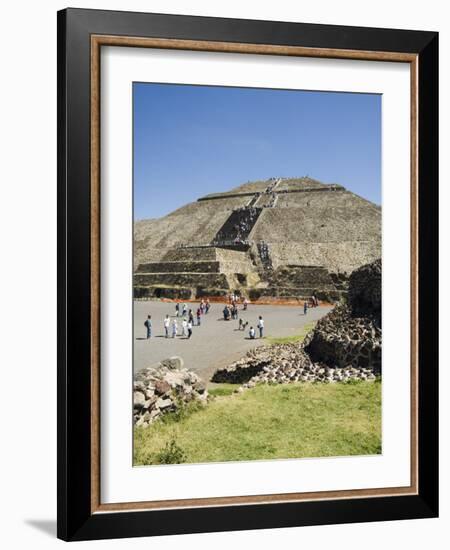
point(220, 390)
point(296, 338)
point(267, 422)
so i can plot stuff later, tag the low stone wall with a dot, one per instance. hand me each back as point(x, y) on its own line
point(164, 388)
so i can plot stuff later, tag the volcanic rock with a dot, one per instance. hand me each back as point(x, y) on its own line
point(161, 389)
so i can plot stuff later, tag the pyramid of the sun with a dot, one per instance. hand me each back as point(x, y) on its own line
point(282, 238)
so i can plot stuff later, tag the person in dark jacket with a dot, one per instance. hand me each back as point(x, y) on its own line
point(148, 326)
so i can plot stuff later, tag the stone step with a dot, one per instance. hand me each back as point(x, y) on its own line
point(180, 267)
point(171, 293)
point(217, 280)
point(194, 254)
point(227, 267)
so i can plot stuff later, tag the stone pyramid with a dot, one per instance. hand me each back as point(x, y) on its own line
point(281, 239)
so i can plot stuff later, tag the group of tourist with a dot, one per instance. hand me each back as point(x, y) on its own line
point(203, 308)
point(172, 328)
point(231, 311)
point(234, 299)
point(238, 232)
point(260, 327)
point(273, 200)
point(252, 333)
point(272, 185)
point(263, 249)
point(312, 302)
point(273, 195)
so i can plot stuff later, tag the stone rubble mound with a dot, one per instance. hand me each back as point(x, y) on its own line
point(351, 333)
point(364, 294)
point(339, 339)
point(284, 363)
point(163, 388)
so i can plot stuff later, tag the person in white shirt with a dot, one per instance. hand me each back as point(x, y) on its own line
point(184, 324)
point(174, 328)
point(167, 325)
point(251, 333)
point(261, 326)
point(189, 327)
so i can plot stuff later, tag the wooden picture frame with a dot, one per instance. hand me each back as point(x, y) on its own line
point(81, 35)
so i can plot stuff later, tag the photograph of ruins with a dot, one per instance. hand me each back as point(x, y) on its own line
point(257, 303)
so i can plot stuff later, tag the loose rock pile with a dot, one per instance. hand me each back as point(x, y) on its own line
point(344, 345)
point(164, 388)
point(284, 363)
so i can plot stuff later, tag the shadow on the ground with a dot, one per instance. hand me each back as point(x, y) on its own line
point(47, 526)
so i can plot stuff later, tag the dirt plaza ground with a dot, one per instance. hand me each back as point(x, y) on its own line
point(216, 342)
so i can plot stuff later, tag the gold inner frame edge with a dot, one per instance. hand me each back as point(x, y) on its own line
point(97, 41)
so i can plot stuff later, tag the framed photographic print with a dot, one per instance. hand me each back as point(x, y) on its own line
point(247, 274)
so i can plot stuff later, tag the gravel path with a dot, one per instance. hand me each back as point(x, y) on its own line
point(216, 342)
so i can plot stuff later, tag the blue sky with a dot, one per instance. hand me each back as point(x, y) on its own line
point(193, 140)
